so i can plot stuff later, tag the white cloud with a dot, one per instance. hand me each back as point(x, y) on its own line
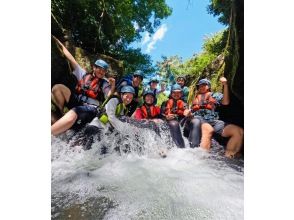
point(146, 38)
point(159, 34)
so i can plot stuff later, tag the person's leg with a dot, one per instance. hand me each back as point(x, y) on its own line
point(176, 133)
point(207, 131)
point(64, 123)
point(235, 135)
point(80, 114)
point(194, 132)
point(60, 95)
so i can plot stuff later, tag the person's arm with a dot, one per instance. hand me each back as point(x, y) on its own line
point(67, 54)
point(108, 87)
point(187, 112)
point(110, 108)
point(111, 82)
point(226, 98)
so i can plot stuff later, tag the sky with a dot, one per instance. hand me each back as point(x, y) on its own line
point(182, 33)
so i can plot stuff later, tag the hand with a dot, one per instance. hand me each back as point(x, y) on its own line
point(111, 81)
point(170, 116)
point(223, 80)
point(187, 113)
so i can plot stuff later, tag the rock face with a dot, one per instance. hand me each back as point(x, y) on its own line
point(60, 68)
point(232, 67)
point(235, 111)
point(238, 81)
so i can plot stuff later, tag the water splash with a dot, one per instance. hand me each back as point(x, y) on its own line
point(137, 183)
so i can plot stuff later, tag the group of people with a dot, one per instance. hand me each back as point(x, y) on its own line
point(100, 102)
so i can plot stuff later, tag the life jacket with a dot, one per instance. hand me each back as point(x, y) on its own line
point(91, 86)
point(204, 101)
point(175, 107)
point(118, 110)
point(149, 112)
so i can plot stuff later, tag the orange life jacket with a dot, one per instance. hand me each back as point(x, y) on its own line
point(204, 101)
point(149, 112)
point(175, 107)
point(91, 86)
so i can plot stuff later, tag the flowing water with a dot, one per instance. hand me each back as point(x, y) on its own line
point(138, 184)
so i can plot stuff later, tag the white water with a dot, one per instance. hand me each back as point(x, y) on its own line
point(187, 184)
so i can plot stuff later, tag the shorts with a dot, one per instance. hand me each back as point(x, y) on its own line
point(86, 113)
point(217, 125)
point(73, 101)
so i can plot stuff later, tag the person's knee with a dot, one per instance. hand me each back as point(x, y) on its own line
point(173, 123)
point(240, 132)
point(71, 116)
point(233, 131)
point(206, 129)
point(60, 89)
point(57, 88)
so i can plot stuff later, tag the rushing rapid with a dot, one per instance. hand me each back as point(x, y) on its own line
point(124, 177)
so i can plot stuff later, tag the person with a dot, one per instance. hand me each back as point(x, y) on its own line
point(181, 80)
point(136, 82)
point(148, 115)
point(110, 118)
point(92, 90)
point(174, 111)
point(148, 110)
point(204, 107)
point(153, 87)
point(116, 106)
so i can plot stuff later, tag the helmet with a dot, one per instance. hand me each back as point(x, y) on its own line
point(181, 76)
point(176, 87)
point(148, 92)
point(139, 73)
point(102, 64)
point(204, 81)
point(154, 79)
point(127, 89)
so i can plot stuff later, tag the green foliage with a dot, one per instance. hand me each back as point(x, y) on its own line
point(108, 27)
point(231, 12)
point(213, 46)
point(161, 98)
point(194, 68)
point(221, 8)
point(133, 60)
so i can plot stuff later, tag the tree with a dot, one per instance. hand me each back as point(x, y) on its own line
point(108, 27)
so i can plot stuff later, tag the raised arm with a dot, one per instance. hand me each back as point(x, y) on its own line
point(111, 82)
point(226, 98)
point(67, 54)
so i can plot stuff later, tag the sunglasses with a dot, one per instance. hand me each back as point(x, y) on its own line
point(136, 76)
